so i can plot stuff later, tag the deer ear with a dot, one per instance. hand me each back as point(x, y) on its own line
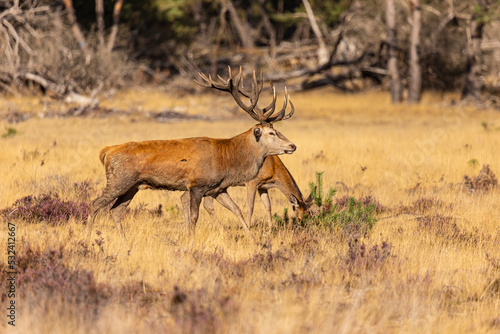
point(257, 132)
point(294, 201)
point(309, 200)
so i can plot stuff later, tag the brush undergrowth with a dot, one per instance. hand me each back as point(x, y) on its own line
point(353, 218)
point(47, 207)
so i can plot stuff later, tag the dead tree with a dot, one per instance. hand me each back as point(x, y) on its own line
point(415, 80)
point(75, 28)
point(99, 12)
point(472, 87)
point(116, 20)
point(322, 51)
point(392, 51)
point(242, 28)
point(269, 28)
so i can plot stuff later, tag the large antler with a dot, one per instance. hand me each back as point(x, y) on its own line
point(232, 85)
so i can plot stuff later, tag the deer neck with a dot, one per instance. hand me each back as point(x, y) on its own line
point(243, 157)
point(288, 186)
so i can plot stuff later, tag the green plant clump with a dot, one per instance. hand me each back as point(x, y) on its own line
point(10, 132)
point(355, 218)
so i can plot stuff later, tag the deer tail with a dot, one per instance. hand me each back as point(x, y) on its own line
point(103, 153)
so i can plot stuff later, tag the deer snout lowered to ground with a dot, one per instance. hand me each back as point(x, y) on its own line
point(199, 166)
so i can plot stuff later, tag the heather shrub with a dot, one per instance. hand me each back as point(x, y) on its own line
point(422, 206)
point(343, 202)
point(266, 261)
point(484, 181)
point(42, 273)
point(84, 190)
point(446, 229)
point(361, 257)
point(47, 207)
point(201, 310)
point(138, 292)
point(362, 262)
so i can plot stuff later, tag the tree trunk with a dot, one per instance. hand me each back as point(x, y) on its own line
point(68, 4)
point(99, 13)
point(472, 87)
point(269, 28)
point(244, 31)
point(323, 57)
point(215, 49)
point(415, 82)
point(281, 28)
point(116, 21)
point(392, 50)
point(200, 17)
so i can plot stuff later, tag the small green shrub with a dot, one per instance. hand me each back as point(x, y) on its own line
point(317, 192)
point(473, 162)
point(10, 132)
point(354, 218)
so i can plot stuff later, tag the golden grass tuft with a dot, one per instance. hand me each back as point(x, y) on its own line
point(439, 273)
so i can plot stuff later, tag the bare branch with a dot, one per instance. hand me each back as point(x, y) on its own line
point(116, 20)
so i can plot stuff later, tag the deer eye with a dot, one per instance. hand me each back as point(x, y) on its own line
point(272, 134)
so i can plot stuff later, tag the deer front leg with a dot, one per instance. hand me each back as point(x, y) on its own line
point(185, 206)
point(195, 196)
point(251, 190)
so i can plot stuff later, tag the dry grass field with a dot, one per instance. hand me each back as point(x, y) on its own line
point(431, 263)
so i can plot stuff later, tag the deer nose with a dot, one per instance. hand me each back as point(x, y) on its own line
point(293, 147)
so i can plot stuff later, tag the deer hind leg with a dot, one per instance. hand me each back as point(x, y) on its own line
point(119, 208)
point(109, 194)
point(264, 196)
point(96, 205)
point(208, 204)
point(224, 199)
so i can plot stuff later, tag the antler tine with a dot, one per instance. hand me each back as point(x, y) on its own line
point(281, 114)
point(254, 97)
point(205, 81)
point(221, 85)
point(259, 85)
point(235, 89)
point(290, 114)
point(269, 110)
point(222, 80)
point(242, 92)
point(210, 83)
point(261, 82)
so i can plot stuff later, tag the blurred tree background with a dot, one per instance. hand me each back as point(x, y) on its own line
point(64, 46)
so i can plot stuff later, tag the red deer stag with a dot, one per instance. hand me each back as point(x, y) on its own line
point(200, 166)
point(273, 174)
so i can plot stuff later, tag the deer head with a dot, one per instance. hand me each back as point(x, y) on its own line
point(304, 208)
